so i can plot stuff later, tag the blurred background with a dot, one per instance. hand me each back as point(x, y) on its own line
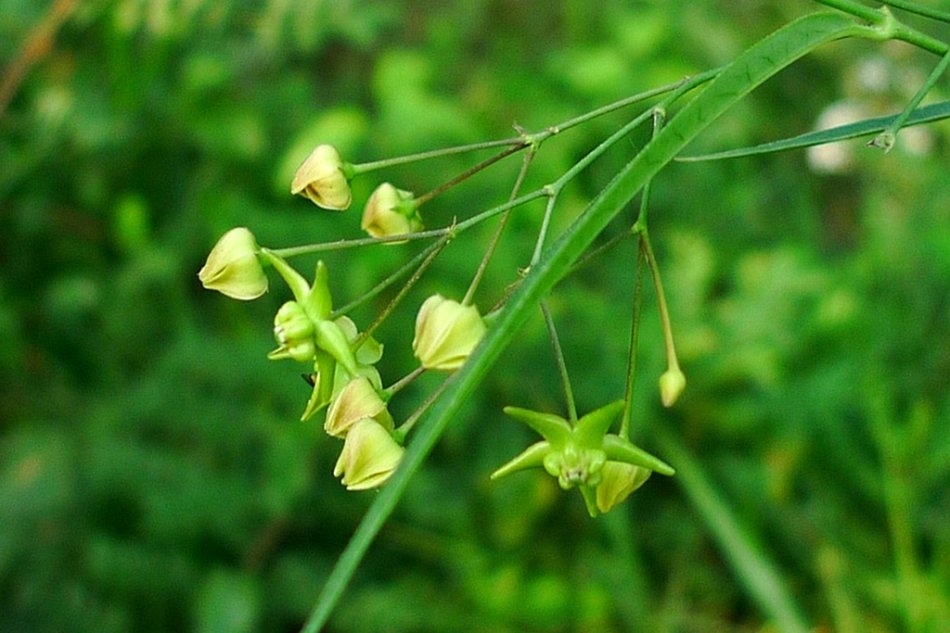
point(155, 476)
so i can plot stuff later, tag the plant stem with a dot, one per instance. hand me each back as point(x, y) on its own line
point(626, 419)
point(502, 223)
point(561, 364)
point(874, 16)
point(362, 168)
point(913, 7)
point(453, 229)
point(647, 249)
point(885, 140)
point(392, 278)
point(403, 291)
point(468, 173)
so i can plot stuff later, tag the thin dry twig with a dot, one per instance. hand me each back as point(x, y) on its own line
point(37, 44)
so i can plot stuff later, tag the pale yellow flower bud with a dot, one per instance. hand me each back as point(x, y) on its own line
point(321, 179)
point(446, 333)
point(356, 401)
point(389, 211)
point(232, 267)
point(672, 384)
point(369, 456)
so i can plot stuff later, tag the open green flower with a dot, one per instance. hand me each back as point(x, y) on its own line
point(321, 178)
point(446, 333)
point(580, 455)
point(369, 456)
point(232, 267)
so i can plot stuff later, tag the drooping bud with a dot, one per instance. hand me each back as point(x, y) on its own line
point(369, 456)
point(390, 211)
point(294, 332)
point(356, 401)
point(321, 179)
point(672, 384)
point(232, 267)
point(446, 333)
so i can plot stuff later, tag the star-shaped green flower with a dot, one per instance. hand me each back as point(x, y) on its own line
point(576, 455)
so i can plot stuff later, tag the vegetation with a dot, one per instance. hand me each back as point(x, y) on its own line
point(154, 471)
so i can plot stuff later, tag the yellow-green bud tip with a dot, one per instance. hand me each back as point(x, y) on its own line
point(672, 384)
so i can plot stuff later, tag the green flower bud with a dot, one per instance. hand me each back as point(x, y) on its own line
point(446, 333)
point(672, 384)
point(294, 332)
point(390, 211)
point(618, 480)
point(321, 179)
point(232, 267)
point(369, 456)
point(356, 401)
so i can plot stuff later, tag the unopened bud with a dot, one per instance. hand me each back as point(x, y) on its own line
point(672, 383)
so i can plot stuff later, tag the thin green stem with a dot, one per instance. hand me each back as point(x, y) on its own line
point(913, 7)
point(552, 190)
point(622, 103)
point(626, 419)
point(453, 229)
point(886, 139)
point(401, 384)
point(416, 276)
point(561, 364)
point(545, 225)
point(647, 248)
point(887, 26)
point(392, 278)
point(362, 168)
point(468, 173)
point(874, 16)
point(520, 141)
point(403, 430)
point(502, 223)
point(639, 227)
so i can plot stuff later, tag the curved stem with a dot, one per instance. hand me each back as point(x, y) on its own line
point(671, 361)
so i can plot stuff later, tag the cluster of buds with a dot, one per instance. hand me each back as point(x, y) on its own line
point(582, 454)
point(344, 378)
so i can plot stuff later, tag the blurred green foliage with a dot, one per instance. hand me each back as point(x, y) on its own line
point(154, 475)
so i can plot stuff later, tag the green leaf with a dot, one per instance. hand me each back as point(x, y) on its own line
point(927, 114)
